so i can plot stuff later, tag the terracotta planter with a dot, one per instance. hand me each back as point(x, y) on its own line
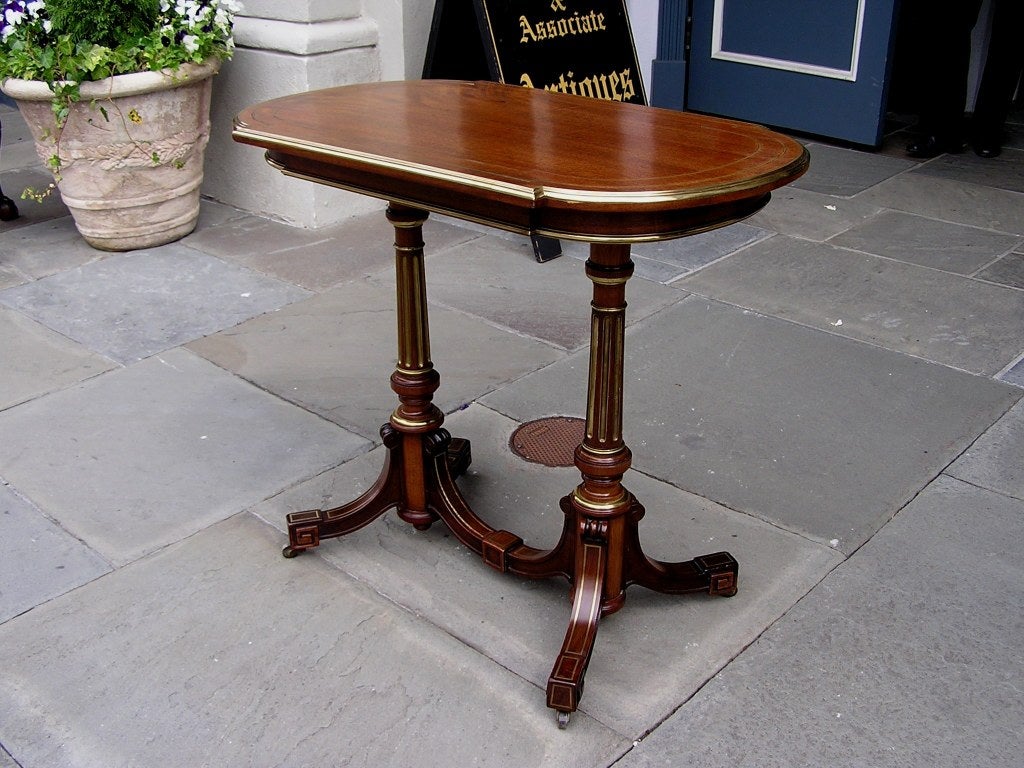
point(131, 152)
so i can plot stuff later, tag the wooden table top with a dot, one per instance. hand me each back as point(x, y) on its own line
point(527, 160)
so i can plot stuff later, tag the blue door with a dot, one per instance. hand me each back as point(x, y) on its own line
point(818, 66)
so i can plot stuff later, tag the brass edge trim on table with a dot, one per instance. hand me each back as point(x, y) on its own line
point(407, 202)
point(581, 196)
point(654, 237)
point(426, 171)
point(559, 194)
point(558, 234)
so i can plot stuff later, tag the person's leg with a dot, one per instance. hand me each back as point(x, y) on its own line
point(1003, 69)
point(944, 36)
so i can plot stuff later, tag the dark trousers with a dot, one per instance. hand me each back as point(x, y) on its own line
point(1003, 68)
point(940, 39)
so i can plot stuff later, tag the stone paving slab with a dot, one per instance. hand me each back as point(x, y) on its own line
point(318, 259)
point(132, 305)
point(649, 657)
point(907, 655)
point(218, 652)
point(811, 215)
point(212, 214)
point(1005, 173)
point(806, 429)
point(950, 200)
point(492, 279)
point(659, 262)
point(967, 324)
point(31, 212)
point(144, 456)
point(334, 354)
point(18, 150)
point(845, 172)
point(1013, 130)
point(1014, 374)
point(666, 261)
point(48, 247)
point(37, 360)
point(10, 275)
point(38, 560)
point(930, 243)
point(1009, 270)
point(54, 245)
point(996, 460)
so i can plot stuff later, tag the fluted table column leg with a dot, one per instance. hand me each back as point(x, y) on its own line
point(602, 516)
point(414, 379)
point(599, 505)
point(408, 475)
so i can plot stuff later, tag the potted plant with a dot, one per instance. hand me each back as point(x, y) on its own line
point(116, 94)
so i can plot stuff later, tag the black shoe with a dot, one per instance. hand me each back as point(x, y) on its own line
point(933, 146)
point(8, 210)
point(987, 146)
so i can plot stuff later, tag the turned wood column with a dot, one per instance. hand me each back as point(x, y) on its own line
point(414, 379)
point(600, 501)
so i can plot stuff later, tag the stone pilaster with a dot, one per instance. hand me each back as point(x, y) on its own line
point(284, 48)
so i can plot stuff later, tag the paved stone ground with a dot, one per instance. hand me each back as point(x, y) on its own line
point(832, 391)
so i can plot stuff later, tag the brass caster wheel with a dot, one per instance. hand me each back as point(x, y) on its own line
point(563, 720)
point(289, 552)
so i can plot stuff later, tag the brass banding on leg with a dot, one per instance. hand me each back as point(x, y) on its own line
point(599, 507)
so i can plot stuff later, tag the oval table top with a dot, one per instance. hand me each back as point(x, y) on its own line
point(527, 160)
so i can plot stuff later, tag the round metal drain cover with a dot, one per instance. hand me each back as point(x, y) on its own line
point(550, 441)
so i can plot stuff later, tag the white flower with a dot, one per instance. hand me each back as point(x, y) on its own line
point(197, 16)
point(191, 43)
point(35, 7)
point(13, 17)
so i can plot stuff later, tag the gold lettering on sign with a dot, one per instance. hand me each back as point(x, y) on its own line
point(577, 23)
point(611, 86)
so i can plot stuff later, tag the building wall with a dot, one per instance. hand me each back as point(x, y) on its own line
point(284, 48)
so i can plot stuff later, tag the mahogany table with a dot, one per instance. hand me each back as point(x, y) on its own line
point(533, 162)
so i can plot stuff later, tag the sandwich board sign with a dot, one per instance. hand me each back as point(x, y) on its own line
point(582, 47)
point(579, 47)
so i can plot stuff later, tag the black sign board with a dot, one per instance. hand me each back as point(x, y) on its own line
point(583, 47)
